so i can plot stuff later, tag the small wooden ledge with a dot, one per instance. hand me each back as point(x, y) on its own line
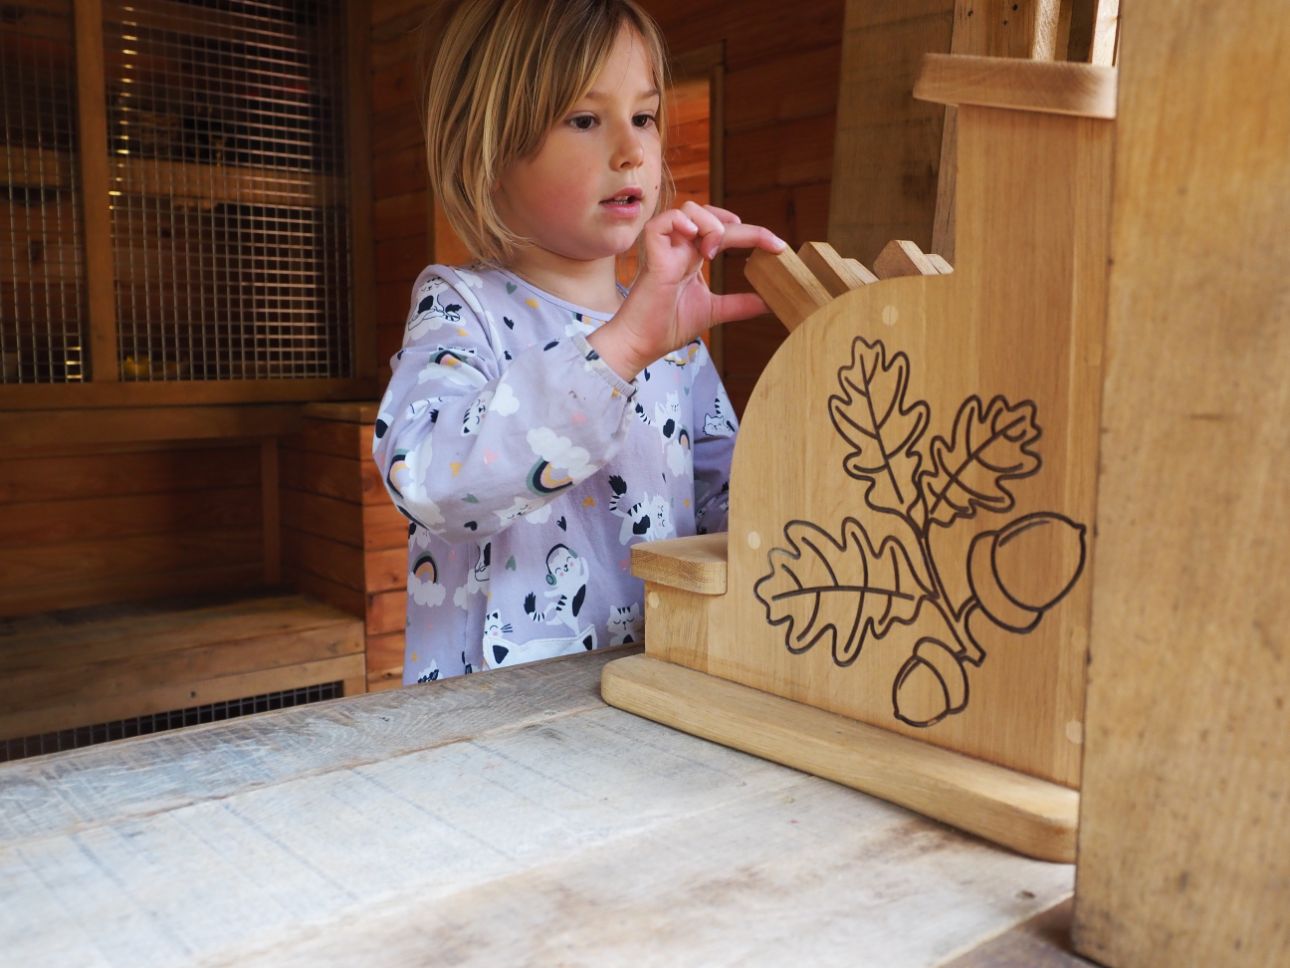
point(694, 564)
point(1048, 87)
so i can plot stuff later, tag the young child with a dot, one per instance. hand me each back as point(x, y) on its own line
point(541, 419)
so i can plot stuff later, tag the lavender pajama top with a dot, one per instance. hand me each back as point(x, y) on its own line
point(527, 468)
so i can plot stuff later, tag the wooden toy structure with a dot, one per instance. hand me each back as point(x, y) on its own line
point(902, 601)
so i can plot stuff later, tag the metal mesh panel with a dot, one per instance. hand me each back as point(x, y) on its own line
point(41, 302)
point(228, 188)
point(14, 749)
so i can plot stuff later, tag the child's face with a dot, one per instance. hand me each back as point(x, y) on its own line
point(607, 146)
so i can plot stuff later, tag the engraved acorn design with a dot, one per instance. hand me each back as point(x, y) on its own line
point(931, 685)
point(1020, 571)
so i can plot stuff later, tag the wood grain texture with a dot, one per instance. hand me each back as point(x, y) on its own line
point(1034, 817)
point(789, 288)
point(303, 836)
point(835, 273)
point(1184, 853)
point(900, 257)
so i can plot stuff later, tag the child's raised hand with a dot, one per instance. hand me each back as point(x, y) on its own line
point(670, 303)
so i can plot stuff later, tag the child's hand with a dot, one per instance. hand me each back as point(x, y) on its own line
point(670, 303)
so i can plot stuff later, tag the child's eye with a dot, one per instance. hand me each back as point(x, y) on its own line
point(643, 120)
point(583, 122)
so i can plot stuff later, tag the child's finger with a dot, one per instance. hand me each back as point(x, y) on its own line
point(736, 306)
point(726, 216)
point(743, 236)
point(711, 227)
point(675, 221)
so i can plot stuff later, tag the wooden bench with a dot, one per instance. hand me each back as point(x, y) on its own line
point(85, 667)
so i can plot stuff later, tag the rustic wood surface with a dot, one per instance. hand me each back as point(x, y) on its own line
point(1184, 845)
point(509, 818)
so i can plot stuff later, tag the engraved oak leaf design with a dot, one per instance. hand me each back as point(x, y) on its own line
point(991, 444)
point(843, 591)
point(871, 414)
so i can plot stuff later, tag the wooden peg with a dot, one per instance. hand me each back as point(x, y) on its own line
point(838, 275)
point(939, 263)
point(789, 288)
point(902, 258)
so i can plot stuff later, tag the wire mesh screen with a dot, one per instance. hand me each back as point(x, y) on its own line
point(41, 302)
point(228, 188)
point(67, 739)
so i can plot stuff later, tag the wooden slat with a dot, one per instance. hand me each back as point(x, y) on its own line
point(328, 559)
point(326, 517)
point(270, 513)
point(1184, 852)
point(836, 274)
point(175, 393)
point(72, 427)
point(1086, 90)
point(70, 477)
point(791, 153)
point(788, 287)
point(358, 78)
point(66, 521)
point(182, 695)
point(387, 612)
point(117, 587)
point(797, 84)
point(91, 118)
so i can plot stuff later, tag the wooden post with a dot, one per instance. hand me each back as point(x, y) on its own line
point(1184, 848)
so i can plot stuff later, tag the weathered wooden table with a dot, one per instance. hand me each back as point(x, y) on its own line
point(502, 819)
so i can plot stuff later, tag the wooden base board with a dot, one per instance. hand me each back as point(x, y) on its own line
point(1024, 813)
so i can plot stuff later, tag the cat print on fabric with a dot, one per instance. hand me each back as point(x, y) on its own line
point(501, 651)
point(674, 435)
point(566, 576)
point(626, 624)
point(646, 519)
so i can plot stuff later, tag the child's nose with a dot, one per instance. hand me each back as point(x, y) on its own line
point(628, 151)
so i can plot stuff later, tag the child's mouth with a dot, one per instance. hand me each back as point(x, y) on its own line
point(624, 200)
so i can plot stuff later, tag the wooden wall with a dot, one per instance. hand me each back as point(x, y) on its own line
point(88, 525)
point(343, 541)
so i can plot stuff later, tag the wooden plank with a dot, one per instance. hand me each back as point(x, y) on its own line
point(326, 517)
point(350, 600)
point(798, 84)
point(72, 427)
point(386, 612)
point(1032, 816)
point(696, 564)
point(133, 678)
point(100, 709)
point(790, 153)
point(177, 392)
point(993, 28)
point(1083, 90)
point(67, 521)
point(384, 527)
point(329, 437)
point(385, 661)
point(358, 137)
point(1183, 848)
point(118, 587)
point(385, 569)
point(270, 512)
point(336, 477)
point(69, 477)
point(328, 559)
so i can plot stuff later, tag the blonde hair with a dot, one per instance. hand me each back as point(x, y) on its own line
point(499, 74)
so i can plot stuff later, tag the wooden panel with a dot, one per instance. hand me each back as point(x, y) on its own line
point(331, 437)
point(788, 153)
point(384, 661)
point(385, 569)
point(1183, 847)
point(116, 587)
point(790, 86)
point(350, 600)
point(384, 527)
point(888, 145)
